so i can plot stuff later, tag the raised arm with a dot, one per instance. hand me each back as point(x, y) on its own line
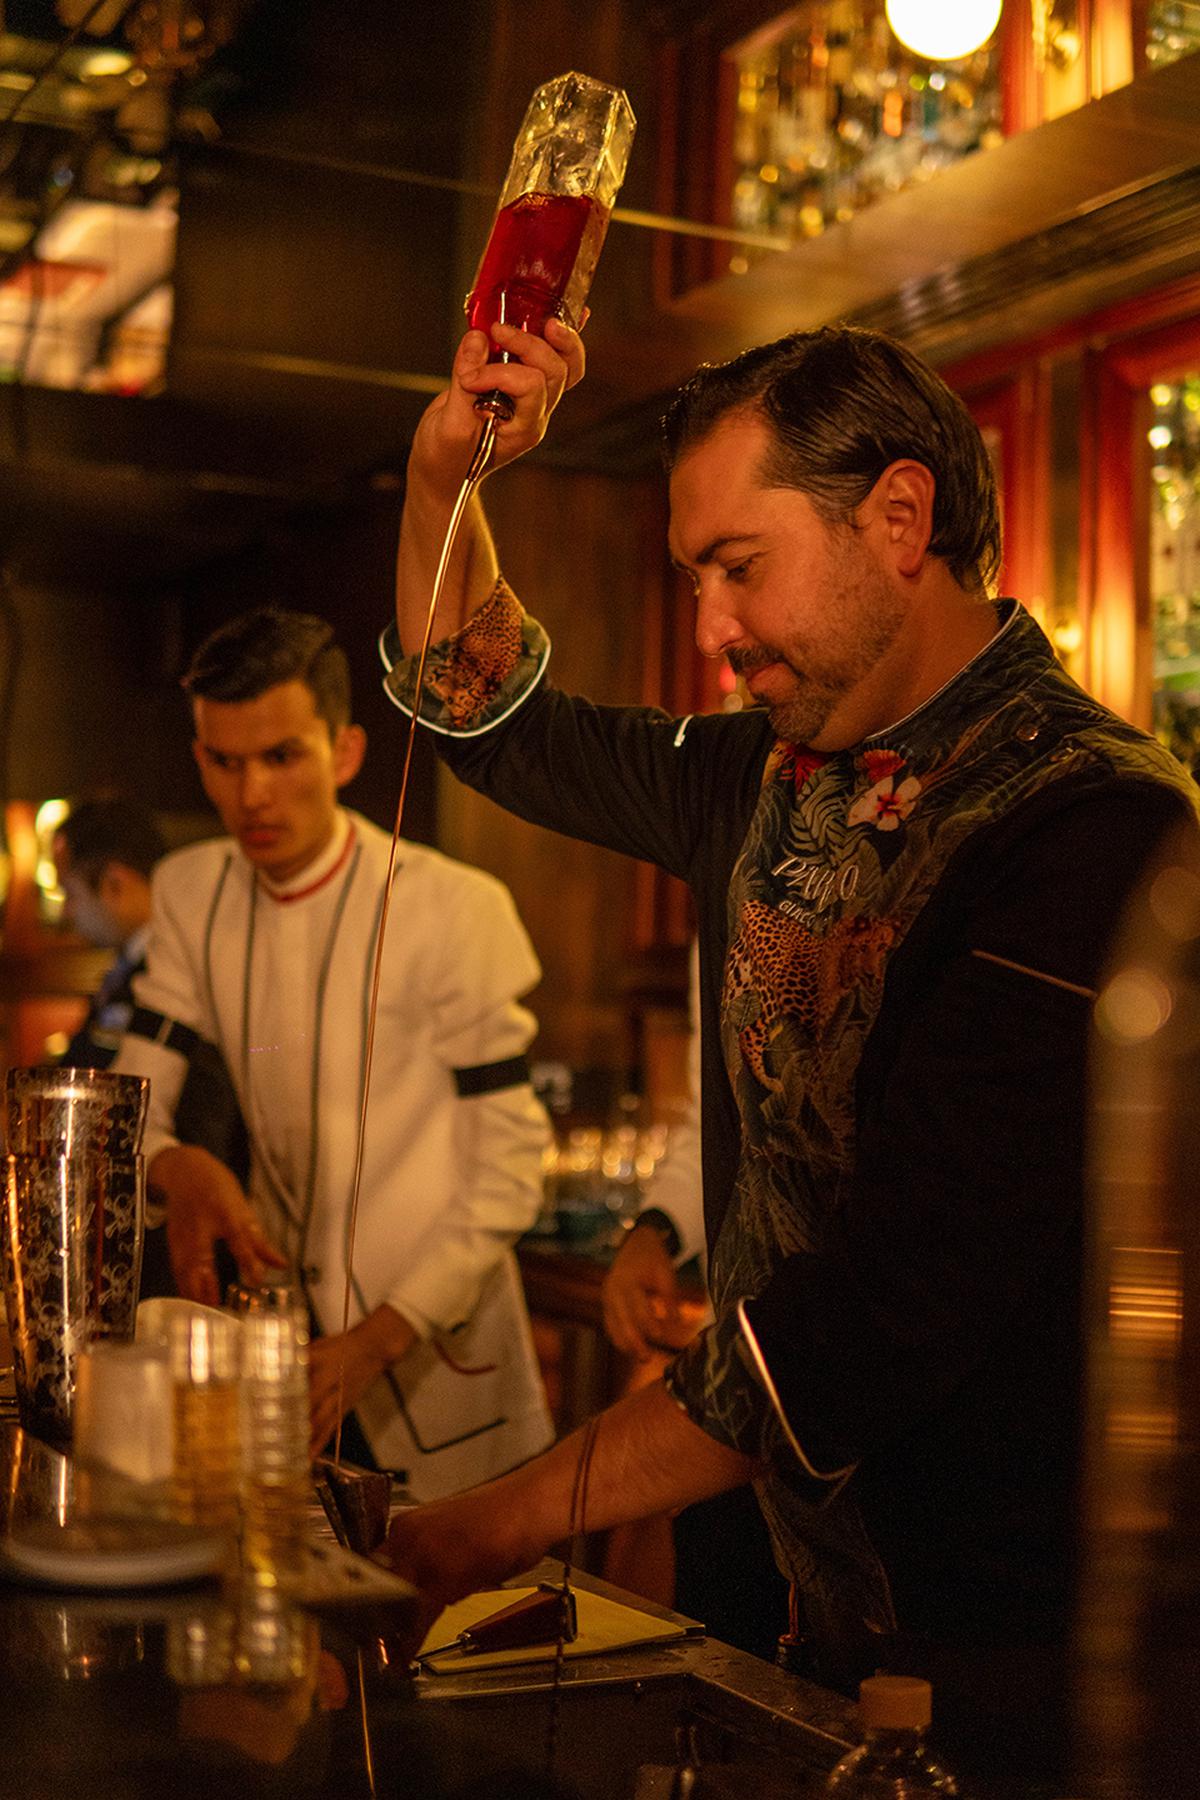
point(442, 450)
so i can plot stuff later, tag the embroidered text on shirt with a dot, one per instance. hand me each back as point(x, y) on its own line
point(816, 882)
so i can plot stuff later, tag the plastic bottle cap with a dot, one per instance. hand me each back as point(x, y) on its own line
point(902, 1702)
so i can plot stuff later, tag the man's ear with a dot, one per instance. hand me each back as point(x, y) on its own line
point(205, 769)
point(111, 882)
point(902, 504)
point(349, 748)
point(124, 893)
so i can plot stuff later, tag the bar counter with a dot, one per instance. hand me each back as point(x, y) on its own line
point(190, 1691)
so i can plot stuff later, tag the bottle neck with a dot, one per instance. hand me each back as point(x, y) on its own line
point(896, 1737)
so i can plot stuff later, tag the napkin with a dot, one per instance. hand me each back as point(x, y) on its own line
point(604, 1625)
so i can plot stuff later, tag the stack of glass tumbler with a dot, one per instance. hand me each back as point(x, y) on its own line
point(237, 1387)
point(234, 1412)
point(73, 1224)
point(273, 1420)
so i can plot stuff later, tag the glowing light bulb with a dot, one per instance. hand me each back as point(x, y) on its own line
point(943, 30)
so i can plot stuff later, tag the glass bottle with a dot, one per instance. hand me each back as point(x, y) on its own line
point(567, 164)
point(892, 1763)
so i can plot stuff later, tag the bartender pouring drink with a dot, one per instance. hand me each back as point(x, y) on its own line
point(907, 860)
point(263, 942)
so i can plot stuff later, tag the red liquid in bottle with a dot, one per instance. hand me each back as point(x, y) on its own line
point(538, 263)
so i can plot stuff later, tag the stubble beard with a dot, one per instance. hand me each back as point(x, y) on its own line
point(868, 616)
point(804, 717)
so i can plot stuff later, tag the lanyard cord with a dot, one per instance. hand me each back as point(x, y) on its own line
point(210, 925)
point(279, 1187)
point(314, 1102)
point(275, 1182)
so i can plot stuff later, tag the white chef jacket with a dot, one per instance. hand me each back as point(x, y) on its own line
point(280, 980)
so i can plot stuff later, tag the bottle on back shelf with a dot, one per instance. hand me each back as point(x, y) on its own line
point(893, 1761)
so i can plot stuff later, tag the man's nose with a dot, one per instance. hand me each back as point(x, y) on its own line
point(717, 629)
point(255, 784)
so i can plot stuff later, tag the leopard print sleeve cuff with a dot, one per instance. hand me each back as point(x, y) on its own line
point(710, 1381)
point(474, 679)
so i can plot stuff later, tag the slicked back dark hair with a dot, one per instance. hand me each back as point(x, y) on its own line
point(260, 649)
point(842, 404)
point(107, 829)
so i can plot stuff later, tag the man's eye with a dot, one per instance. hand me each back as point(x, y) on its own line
point(737, 571)
point(280, 757)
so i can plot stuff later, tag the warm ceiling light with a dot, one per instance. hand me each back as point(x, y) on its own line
point(943, 30)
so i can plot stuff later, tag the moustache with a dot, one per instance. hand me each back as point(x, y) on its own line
point(745, 662)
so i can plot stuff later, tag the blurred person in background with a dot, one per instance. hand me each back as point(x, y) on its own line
point(104, 852)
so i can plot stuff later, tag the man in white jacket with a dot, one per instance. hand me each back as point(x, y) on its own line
point(264, 942)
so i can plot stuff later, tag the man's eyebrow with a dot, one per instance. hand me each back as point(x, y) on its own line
point(287, 743)
point(711, 550)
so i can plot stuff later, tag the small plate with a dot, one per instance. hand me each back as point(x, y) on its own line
point(111, 1553)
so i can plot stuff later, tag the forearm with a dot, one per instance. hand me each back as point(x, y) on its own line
point(385, 1336)
point(647, 1458)
point(534, 378)
point(470, 576)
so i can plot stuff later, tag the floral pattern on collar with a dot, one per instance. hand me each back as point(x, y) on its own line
point(887, 802)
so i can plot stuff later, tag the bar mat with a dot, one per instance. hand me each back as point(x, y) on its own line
point(604, 1625)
